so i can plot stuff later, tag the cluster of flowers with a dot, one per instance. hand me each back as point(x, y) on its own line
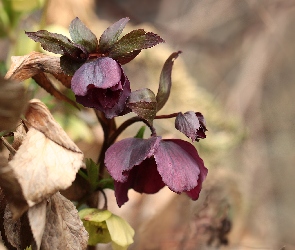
point(99, 82)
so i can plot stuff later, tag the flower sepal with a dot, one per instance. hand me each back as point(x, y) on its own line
point(104, 227)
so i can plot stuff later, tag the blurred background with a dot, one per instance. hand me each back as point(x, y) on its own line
point(237, 68)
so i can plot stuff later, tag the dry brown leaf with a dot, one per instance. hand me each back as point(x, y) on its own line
point(37, 220)
point(13, 101)
point(46, 161)
point(64, 229)
point(39, 117)
point(17, 233)
point(18, 136)
point(35, 65)
point(13, 191)
point(12, 229)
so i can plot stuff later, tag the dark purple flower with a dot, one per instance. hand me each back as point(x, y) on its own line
point(102, 84)
point(147, 165)
point(192, 124)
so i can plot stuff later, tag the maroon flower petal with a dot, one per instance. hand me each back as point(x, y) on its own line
point(194, 193)
point(201, 131)
point(102, 73)
point(188, 123)
point(121, 192)
point(124, 155)
point(144, 178)
point(121, 101)
point(179, 164)
point(110, 101)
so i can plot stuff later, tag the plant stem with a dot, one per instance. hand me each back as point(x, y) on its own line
point(126, 124)
point(166, 116)
point(108, 127)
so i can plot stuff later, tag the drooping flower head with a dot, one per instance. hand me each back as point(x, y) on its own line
point(147, 165)
point(98, 78)
point(102, 84)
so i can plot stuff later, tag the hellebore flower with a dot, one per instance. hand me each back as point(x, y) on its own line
point(147, 165)
point(192, 124)
point(102, 84)
point(105, 227)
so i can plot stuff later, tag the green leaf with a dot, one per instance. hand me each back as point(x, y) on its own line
point(134, 40)
point(56, 43)
point(110, 36)
point(92, 173)
point(82, 174)
point(140, 132)
point(165, 81)
point(128, 57)
point(121, 232)
point(143, 103)
point(106, 183)
point(82, 35)
point(69, 66)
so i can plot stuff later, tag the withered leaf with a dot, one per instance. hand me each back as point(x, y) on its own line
point(34, 65)
point(12, 229)
point(39, 117)
point(18, 234)
point(64, 229)
point(46, 161)
point(13, 101)
point(37, 220)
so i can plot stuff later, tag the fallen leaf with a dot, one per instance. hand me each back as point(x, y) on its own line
point(64, 229)
point(13, 101)
point(35, 65)
point(46, 161)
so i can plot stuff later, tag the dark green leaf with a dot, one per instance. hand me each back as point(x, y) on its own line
point(128, 57)
point(106, 183)
point(92, 173)
point(82, 174)
point(82, 35)
point(69, 66)
point(165, 81)
point(135, 40)
point(110, 36)
point(140, 132)
point(56, 43)
point(143, 103)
